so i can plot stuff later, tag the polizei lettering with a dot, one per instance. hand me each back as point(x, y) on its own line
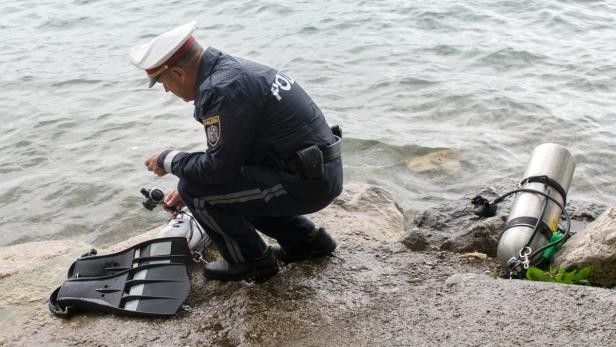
point(281, 82)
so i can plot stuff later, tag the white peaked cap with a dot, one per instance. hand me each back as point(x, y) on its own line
point(165, 49)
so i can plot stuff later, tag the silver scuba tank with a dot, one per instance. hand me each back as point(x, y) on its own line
point(549, 171)
point(184, 225)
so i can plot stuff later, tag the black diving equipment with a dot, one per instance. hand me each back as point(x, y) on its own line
point(483, 207)
point(536, 212)
point(149, 279)
point(153, 197)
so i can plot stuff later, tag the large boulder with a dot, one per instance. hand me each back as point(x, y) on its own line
point(453, 226)
point(594, 246)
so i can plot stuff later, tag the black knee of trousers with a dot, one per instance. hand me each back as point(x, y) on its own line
point(189, 201)
point(232, 233)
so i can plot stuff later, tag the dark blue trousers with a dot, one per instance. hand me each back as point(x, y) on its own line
point(264, 199)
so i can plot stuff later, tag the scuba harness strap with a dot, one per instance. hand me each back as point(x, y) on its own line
point(548, 182)
point(530, 222)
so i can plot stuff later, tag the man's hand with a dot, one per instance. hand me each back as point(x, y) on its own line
point(150, 163)
point(173, 200)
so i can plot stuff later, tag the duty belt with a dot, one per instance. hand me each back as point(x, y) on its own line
point(333, 151)
point(310, 161)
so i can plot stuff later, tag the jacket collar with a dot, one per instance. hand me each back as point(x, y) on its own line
point(208, 62)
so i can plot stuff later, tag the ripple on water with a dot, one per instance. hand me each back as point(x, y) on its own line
point(22, 143)
point(59, 21)
point(507, 59)
point(53, 121)
point(308, 30)
point(13, 194)
point(445, 50)
point(78, 194)
point(77, 81)
point(276, 8)
point(589, 84)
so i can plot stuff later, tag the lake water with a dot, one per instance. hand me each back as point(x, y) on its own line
point(467, 87)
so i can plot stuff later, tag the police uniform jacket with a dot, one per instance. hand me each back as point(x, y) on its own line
point(253, 115)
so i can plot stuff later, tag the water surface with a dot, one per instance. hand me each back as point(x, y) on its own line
point(469, 88)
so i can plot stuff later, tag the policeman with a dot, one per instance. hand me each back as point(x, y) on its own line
point(270, 157)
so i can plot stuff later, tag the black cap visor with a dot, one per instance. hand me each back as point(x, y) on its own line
point(153, 82)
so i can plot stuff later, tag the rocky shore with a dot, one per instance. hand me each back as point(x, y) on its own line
point(432, 282)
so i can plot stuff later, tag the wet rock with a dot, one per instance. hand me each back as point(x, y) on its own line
point(415, 240)
point(27, 270)
point(438, 165)
point(594, 246)
point(377, 215)
point(453, 226)
point(584, 211)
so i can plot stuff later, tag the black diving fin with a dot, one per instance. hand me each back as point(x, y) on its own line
point(155, 251)
point(148, 279)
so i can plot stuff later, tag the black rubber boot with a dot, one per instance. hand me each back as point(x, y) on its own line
point(252, 270)
point(318, 244)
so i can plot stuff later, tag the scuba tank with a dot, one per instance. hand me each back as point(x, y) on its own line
point(532, 225)
point(549, 171)
point(184, 225)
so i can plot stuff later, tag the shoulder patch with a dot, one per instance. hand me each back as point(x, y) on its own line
point(213, 130)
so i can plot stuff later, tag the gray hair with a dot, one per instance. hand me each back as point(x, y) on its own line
point(191, 58)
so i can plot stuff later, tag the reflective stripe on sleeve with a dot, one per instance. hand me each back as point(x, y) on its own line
point(169, 160)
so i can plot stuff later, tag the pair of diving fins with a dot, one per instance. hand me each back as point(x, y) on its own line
point(150, 279)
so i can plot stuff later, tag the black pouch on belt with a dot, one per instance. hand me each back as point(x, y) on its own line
point(309, 162)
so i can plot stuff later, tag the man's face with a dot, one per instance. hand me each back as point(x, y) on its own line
point(176, 80)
